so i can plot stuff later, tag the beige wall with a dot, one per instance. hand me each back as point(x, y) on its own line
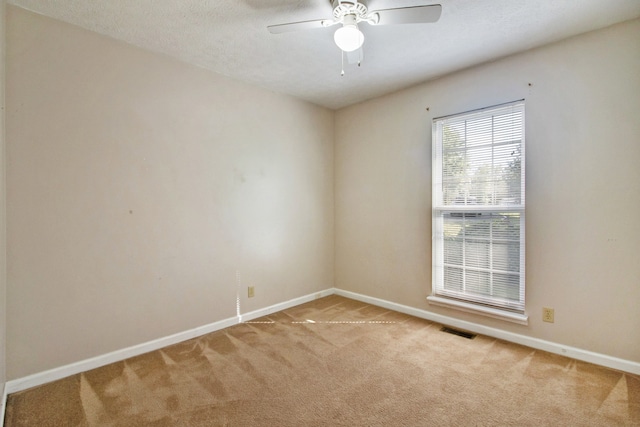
point(142, 192)
point(583, 187)
point(3, 235)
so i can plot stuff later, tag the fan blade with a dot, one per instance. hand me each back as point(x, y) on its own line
point(409, 15)
point(300, 26)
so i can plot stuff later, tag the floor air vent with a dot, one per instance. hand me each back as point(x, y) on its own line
point(467, 335)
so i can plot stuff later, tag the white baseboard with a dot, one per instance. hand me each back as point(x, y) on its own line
point(551, 347)
point(40, 378)
point(284, 305)
point(120, 355)
point(136, 350)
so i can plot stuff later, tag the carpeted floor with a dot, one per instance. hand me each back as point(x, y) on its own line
point(336, 362)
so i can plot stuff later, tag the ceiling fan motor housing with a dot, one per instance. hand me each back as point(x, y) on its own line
point(342, 8)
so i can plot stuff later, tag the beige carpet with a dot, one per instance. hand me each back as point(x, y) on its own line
point(336, 362)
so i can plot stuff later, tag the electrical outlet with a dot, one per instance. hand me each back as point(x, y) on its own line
point(251, 292)
point(547, 314)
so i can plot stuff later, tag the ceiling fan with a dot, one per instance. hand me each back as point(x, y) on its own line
point(350, 13)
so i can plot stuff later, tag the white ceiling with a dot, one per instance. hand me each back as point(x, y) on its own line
point(230, 38)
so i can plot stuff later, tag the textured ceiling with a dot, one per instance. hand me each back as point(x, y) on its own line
point(230, 38)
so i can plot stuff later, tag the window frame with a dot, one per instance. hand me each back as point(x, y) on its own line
point(501, 308)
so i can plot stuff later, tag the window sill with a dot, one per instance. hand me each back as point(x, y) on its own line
point(495, 313)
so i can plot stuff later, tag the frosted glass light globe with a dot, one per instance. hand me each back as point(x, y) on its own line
point(348, 38)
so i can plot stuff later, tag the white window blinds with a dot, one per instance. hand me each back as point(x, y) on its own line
point(478, 207)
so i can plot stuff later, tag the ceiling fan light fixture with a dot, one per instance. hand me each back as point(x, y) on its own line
point(349, 37)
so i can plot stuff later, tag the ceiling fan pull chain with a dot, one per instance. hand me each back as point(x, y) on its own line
point(342, 54)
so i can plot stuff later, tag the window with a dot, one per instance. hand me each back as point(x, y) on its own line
point(478, 210)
